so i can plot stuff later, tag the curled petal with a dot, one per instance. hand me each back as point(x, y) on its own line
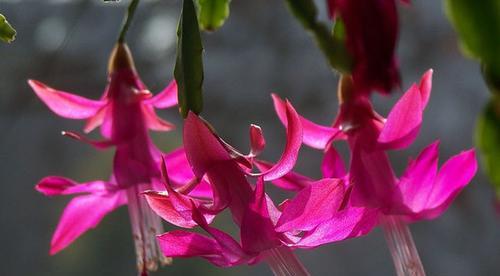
point(292, 147)
point(257, 141)
point(65, 104)
point(403, 122)
point(314, 135)
point(81, 214)
point(291, 181)
point(314, 204)
point(166, 98)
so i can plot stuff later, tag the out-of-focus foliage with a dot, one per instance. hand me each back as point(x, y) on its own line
point(7, 33)
point(488, 140)
point(188, 70)
point(478, 24)
point(212, 13)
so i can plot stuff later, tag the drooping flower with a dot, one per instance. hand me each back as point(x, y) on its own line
point(371, 28)
point(125, 113)
point(422, 192)
point(252, 210)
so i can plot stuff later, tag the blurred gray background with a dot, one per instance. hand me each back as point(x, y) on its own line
point(261, 49)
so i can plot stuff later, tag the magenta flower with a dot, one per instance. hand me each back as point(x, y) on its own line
point(371, 35)
point(125, 113)
point(252, 210)
point(422, 192)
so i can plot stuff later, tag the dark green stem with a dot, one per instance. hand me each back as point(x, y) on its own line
point(333, 48)
point(128, 20)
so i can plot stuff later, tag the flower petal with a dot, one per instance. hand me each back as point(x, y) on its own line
point(291, 181)
point(453, 176)
point(81, 214)
point(372, 178)
point(332, 165)
point(350, 223)
point(95, 120)
point(65, 104)
point(403, 122)
point(314, 135)
point(425, 87)
point(292, 147)
point(203, 149)
point(166, 98)
point(257, 141)
point(257, 229)
point(56, 185)
point(316, 203)
point(417, 181)
point(153, 121)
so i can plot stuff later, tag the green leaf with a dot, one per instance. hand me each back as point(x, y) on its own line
point(212, 13)
point(488, 141)
point(478, 25)
point(188, 70)
point(7, 33)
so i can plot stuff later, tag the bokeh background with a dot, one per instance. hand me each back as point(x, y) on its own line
point(261, 49)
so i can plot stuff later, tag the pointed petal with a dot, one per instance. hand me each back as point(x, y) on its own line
point(81, 214)
point(417, 181)
point(95, 120)
point(332, 165)
point(166, 98)
point(425, 87)
point(313, 205)
point(65, 104)
point(346, 224)
point(257, 228)
point(153, 121)
point(107, 123)
point(291, 181)
point(314, 135)
point(56, 185)
point(403, 122)
point(292, 147)
point(453, 176)
point(257, 141)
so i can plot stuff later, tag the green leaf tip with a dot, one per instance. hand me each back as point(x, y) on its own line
point(188, 71)
point(7, 33)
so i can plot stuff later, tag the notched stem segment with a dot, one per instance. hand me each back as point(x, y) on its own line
point(403, 250)
point(284, 263)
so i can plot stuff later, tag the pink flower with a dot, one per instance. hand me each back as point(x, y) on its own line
point(371, 35)
point(125, 113)
point(422, 192)
point(261, 222)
